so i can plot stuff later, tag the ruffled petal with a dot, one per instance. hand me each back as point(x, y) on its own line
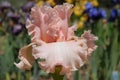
point(25, 55)
point(49, 24)
point(71, 55)
point(90, 41)
point(23, 64)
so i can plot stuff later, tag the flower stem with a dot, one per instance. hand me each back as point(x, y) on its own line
point(56, 75)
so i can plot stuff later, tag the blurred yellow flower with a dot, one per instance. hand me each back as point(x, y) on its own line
point(82, 7)
point(51, 2)
point(83, 2)
point(40, 3)
point(78, 9)
point(95, 3)
point(69, 1)
point(84, 18)
point(77, 12)
point(80, 25)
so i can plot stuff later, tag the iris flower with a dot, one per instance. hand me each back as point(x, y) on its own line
point(5, 5)
point(88, 6)
point(118, 12)
point(102, 13)
point(53, 42)
point(28, 6)
point(115, 1)
point(113, 15)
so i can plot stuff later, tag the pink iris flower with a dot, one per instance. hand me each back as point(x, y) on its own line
point(53, 41)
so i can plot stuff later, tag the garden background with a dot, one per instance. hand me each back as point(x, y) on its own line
point(102, 17)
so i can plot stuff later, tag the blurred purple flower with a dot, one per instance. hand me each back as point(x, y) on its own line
point(13, 16)
point(27, 7)
point(118, 12)
point(27, 16)
point(102, 13)
point(88, 6)
point(5, 5)
point(113, 15)
point(94, 14)
point(115, 1)
point(17, 29)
